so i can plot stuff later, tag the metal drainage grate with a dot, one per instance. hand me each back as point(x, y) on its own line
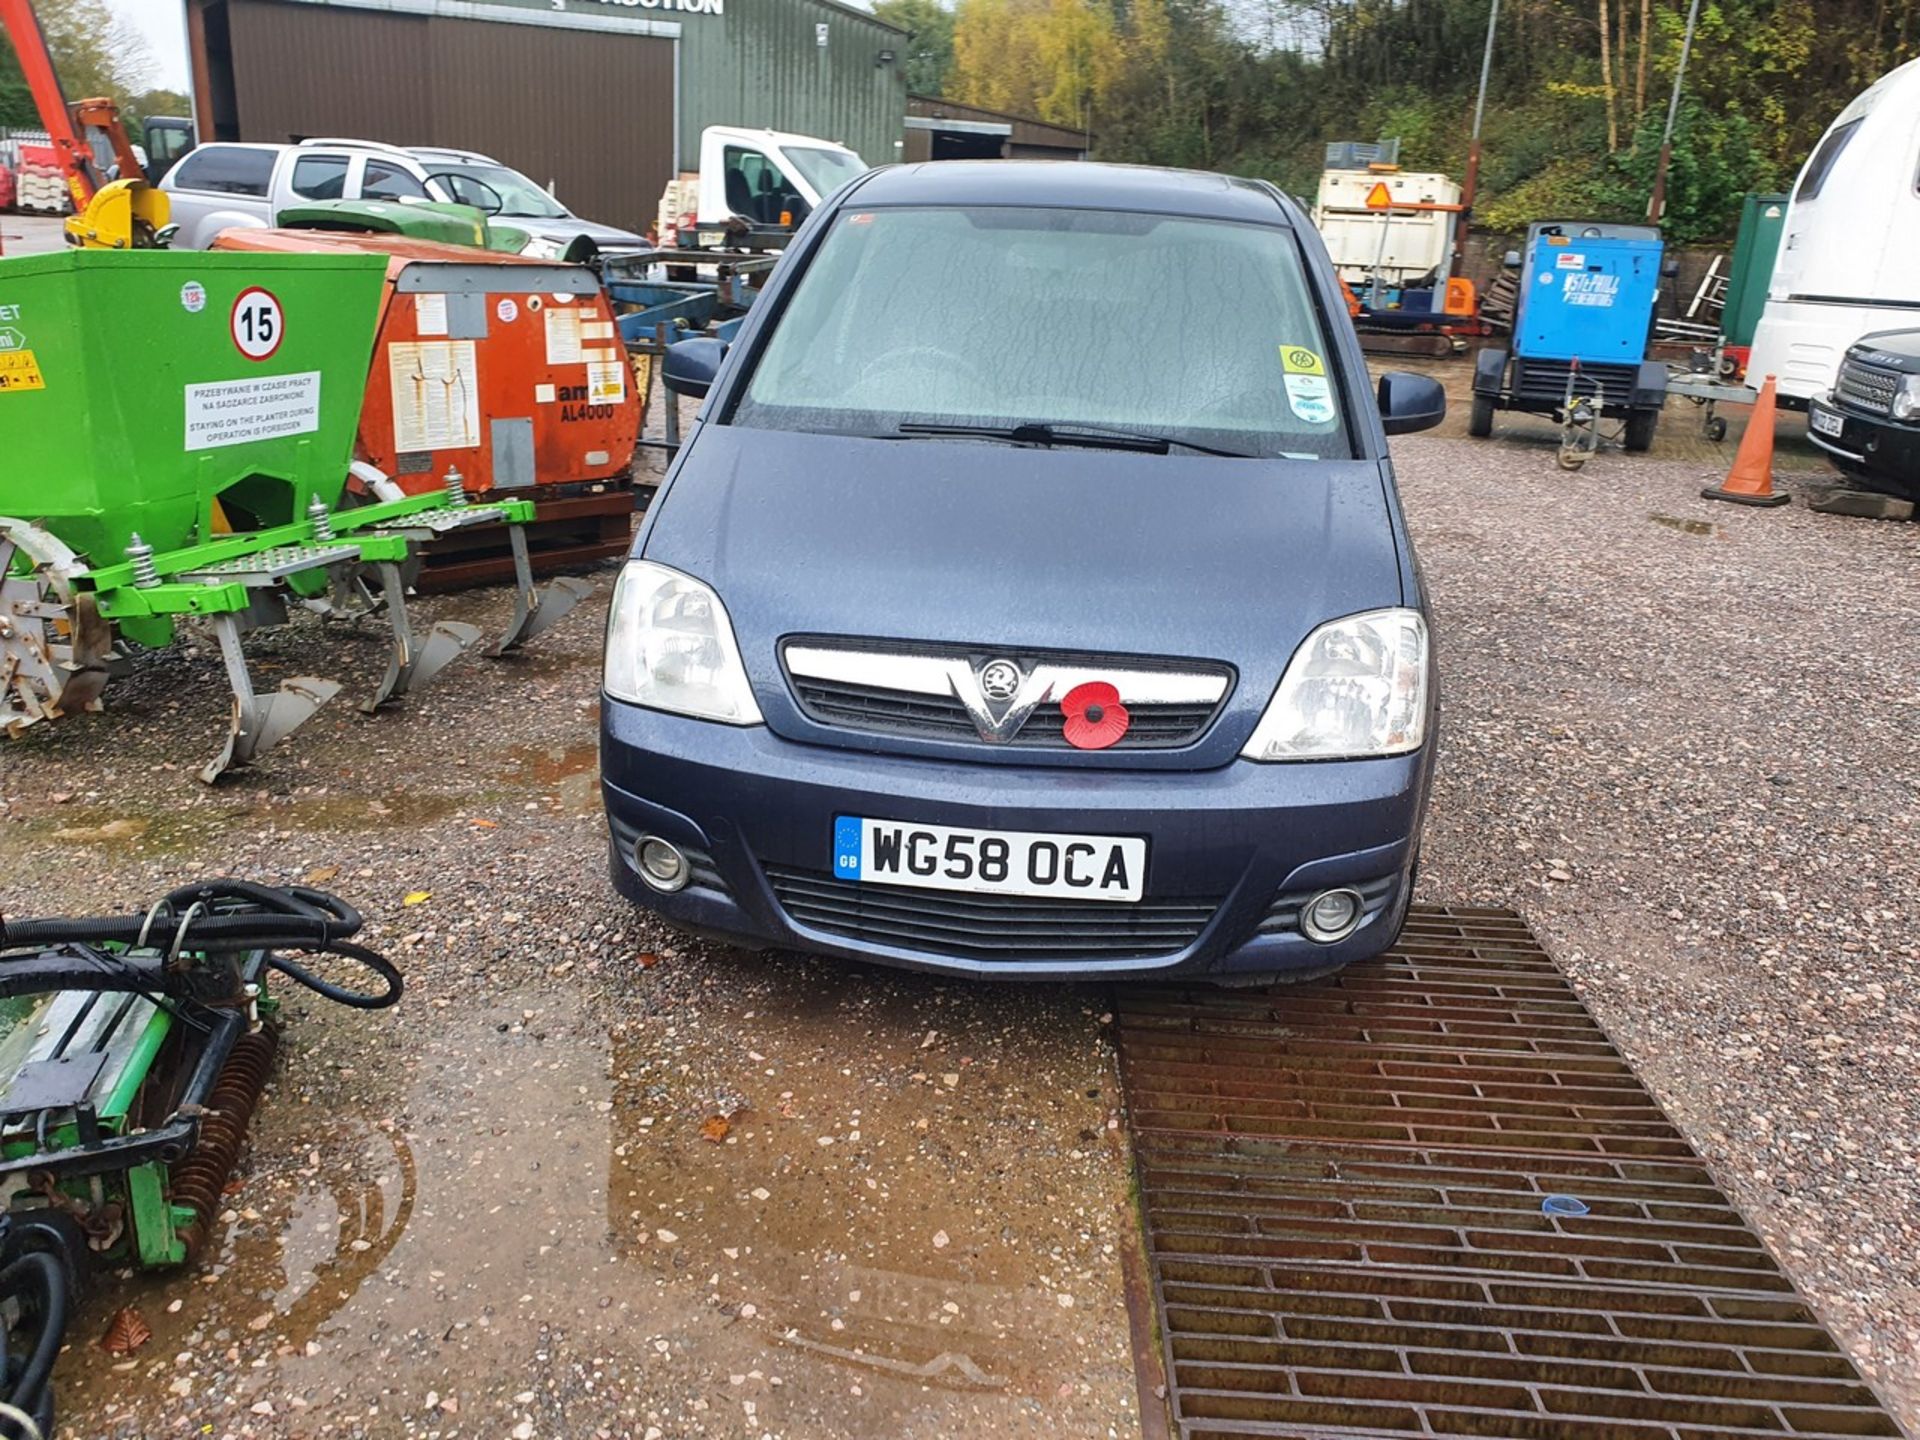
point(1343, 1188)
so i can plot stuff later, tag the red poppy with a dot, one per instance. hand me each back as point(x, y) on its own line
point(1095, 716)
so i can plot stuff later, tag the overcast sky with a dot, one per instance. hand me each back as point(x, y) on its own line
point(162, 23)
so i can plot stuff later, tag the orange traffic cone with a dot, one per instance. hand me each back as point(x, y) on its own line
point(1750, 482)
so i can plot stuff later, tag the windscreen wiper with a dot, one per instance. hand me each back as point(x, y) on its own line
point(1090, 437)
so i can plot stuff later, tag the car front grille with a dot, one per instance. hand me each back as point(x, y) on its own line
point(1005, 928)
point(938, 693)
point(1866, 387)
point(1283, 916)
point(893, 712)
point(1546, 381)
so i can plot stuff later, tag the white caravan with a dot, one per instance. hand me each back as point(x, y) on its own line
point(1849, 262)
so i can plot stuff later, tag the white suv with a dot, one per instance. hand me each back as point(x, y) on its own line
point(224, 184)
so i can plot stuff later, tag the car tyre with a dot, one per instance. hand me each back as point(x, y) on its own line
point(1480, 420)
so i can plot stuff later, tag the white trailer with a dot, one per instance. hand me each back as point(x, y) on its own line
point(1403, 246)
point(1849, 263)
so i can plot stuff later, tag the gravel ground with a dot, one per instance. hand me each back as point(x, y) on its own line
point(1674, 739)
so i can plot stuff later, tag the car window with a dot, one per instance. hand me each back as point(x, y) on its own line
point(1821, 166)
point(389, 182)
point(1200, 330)
point(225, 170)
point(518, 196)
point(320, 177)
point(825, 170)
point(759, 189)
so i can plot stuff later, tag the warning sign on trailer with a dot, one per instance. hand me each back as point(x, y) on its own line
point(237, 412)
point(1379, 197)
point(257, 323)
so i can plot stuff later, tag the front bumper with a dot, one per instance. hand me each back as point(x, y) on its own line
point(1884, 453)
point(1236, 848)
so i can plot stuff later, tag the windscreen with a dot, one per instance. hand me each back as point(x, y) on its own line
point(518, 195)
point(825, 170)
point(1201, 331)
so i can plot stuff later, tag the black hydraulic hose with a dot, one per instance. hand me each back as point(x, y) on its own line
point(39, 1281)
point(359, 1000)
point(214, 917)
point(234, 915)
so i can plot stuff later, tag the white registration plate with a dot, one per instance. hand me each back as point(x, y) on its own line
point(1827, 422)
point(989, 862)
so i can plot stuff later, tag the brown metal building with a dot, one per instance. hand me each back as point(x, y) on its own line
point(606, 99)
point(287, 72)
point(940, 129)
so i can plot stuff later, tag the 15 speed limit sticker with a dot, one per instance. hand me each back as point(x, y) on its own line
point(257, 323)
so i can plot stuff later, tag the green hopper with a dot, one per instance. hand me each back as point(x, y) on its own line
point(176, 431)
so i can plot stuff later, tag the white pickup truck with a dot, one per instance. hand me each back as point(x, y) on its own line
point(752, 182)
point(225, 184)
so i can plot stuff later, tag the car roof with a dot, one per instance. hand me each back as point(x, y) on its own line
point(447, 152)
point(1075, 185)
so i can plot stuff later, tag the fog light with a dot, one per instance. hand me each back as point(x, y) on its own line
point(1331, 915)
point(661, 864)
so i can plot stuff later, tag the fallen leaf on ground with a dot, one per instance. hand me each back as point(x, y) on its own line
point(648, 960)
point(126, 1332)
point(417, 897)
point(715, 1128)
point(321, 875)
point(484, 824)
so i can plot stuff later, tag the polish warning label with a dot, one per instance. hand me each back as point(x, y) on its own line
point(19, 371)
point(238, 412)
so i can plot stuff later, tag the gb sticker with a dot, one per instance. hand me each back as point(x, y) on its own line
point(257, 323)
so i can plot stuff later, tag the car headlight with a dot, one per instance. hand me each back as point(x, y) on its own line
point(1356, 687)
point(542, 247)
point(1906, 400)
point(670, 646)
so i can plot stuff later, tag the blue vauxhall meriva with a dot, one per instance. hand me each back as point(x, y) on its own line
point(1032, 597)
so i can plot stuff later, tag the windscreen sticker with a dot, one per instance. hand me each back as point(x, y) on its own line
point(19, 371)
point(1298, 360)
point(1311, 398)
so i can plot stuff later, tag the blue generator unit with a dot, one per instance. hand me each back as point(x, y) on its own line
point(1582, 320)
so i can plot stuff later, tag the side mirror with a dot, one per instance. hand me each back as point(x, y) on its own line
point(691, 366)
point(1410, 402)
point(1511, 259)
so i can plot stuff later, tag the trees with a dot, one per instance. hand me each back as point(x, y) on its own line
point(1050, 58)
point(94, 50)
point(929, 25)
point(1578, 88)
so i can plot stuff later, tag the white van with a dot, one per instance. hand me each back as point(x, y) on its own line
point(1848, 263)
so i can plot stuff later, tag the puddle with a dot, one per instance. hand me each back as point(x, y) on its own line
point(570, 773)
point(542, 1235)
point(1690, 527)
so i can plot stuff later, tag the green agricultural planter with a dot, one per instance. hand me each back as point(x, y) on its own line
point(177, 431)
